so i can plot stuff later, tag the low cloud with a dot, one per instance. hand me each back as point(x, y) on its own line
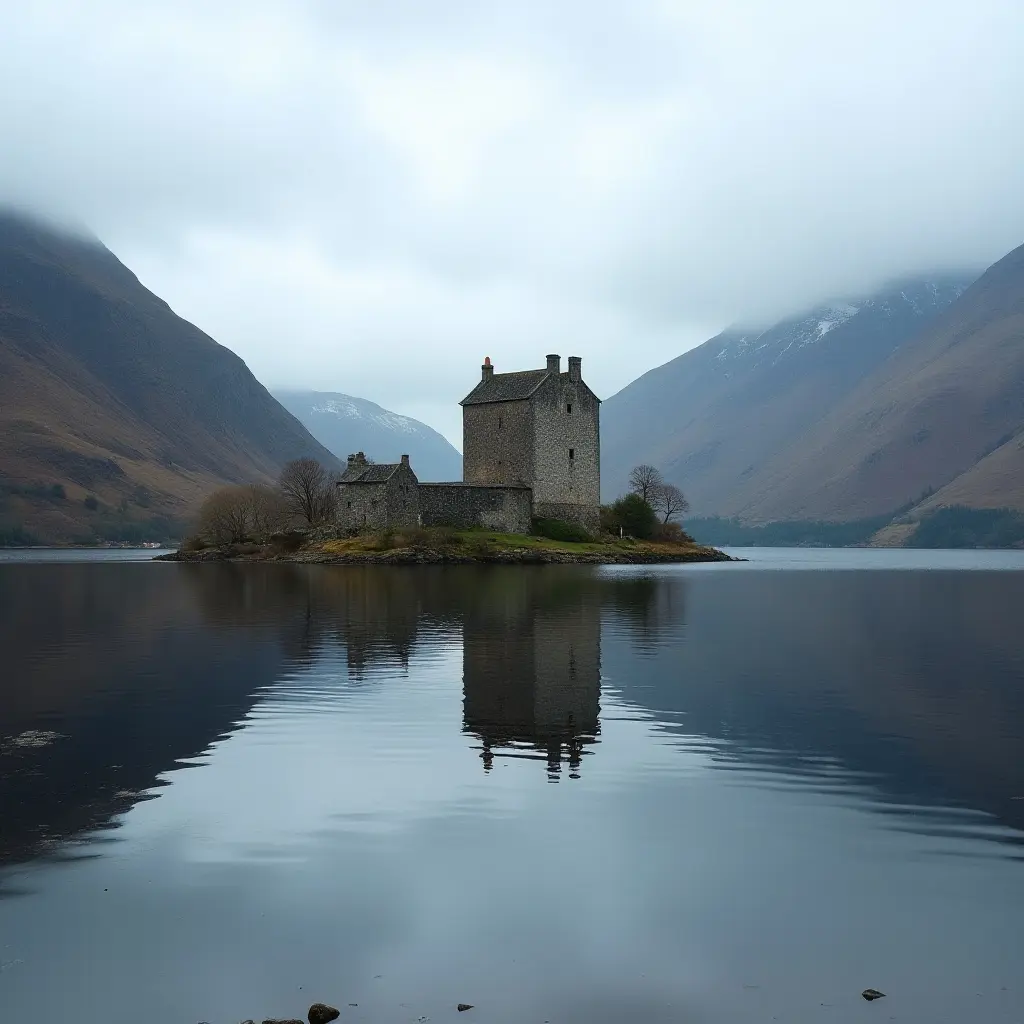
point(370, 198)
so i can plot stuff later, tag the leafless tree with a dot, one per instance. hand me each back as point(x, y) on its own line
point(329, 498)
point(308, 490)
point(645, 480)
point(668, 501)
point(224, 517)
point(268, 510)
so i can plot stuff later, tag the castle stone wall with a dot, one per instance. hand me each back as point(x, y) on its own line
point(373, 507)
point(567, 452)
point(362, 507)
point(497, 443)
point(505, 509)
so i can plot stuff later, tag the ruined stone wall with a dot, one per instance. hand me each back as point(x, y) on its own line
point(567, 452)
point(497, 443)
point(371, 508)
point(403, 500)
point(362, 507)
point(462, 505)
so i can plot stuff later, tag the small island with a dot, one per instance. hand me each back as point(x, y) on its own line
point(444, 546)
point(530, 494)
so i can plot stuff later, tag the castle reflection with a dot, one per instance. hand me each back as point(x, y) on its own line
point(532, 671)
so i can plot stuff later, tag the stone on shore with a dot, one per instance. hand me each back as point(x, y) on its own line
point(321, 1013)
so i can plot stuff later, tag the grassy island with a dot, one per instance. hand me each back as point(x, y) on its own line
point(443, 545)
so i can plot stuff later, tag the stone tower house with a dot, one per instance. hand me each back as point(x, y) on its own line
point(538, 429)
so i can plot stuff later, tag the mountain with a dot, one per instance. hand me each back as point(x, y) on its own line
point(116, 415)
point(716, 417)
point(345, 424)
point(945, 413)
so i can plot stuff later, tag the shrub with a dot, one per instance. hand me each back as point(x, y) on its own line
point(447, 537)
point(672, 533)
point(609, 520)
point(193, 543)
point(557, 529)
point(414, 537)
point(634, 515)
point(382, 541)
point(287, 540)
point(91, 503)
point(57, 492)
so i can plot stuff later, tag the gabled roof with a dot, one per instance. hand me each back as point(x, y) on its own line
point(506, 387)
point(369, 472)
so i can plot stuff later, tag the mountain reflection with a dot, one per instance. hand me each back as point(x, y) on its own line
point(136, 668)
point(907, 683)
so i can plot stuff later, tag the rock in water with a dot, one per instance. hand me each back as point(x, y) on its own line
point(872, 993)
point(463, 1007)
point(291, 1020)
point(321, 1013)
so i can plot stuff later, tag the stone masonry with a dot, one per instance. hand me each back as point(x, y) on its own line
point(376, 497)
point(531, 448)
point(505, 509)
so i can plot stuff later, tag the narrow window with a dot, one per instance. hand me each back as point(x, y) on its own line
point(350, 504)
point(572, 453)
point(499, 423)
point(568, 408)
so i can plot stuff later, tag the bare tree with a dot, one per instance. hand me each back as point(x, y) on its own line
point(224, 516)
point(645, 480)
point(329, 499)
point(308, 490)
point(268, 510)
point(668, 501)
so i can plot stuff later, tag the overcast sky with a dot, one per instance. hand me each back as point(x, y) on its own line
point(370, 197)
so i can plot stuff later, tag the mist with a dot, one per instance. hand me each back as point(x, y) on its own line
point(371, 199)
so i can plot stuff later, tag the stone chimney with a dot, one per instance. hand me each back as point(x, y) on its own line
point(359, 459)
point(574, 368)
point(486, 371)
point(554, 364)
point(405, 461)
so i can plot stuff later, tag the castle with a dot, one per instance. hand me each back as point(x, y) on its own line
point(531, 449)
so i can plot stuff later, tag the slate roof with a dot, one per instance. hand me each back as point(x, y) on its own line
point(369, 473)
point(505, 387)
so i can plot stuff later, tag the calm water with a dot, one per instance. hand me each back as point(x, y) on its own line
point(711, 794)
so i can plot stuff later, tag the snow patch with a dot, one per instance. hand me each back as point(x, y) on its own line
point(348, 409)
point(338, 407)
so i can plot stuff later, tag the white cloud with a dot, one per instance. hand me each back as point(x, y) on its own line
point(372, 197)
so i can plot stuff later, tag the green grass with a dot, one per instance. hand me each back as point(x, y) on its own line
point(478, 541)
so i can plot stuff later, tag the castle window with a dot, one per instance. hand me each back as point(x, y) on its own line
point(499, 423)
point(350, 504)
point(572, 453)
point(568, 408)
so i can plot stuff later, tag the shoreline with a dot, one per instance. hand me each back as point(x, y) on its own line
point(488, 553)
